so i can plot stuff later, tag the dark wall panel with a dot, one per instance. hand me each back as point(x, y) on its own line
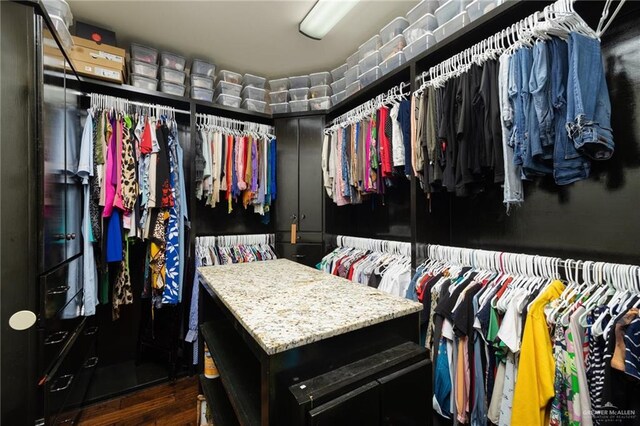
point(592, 219)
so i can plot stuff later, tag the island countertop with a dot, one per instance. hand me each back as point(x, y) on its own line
point(283, 304)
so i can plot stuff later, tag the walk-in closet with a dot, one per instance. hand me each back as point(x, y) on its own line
point(320, 212)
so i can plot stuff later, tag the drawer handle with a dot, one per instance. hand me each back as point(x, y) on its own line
point(299, 256)
point(91, 331)
point(71, 236)
point(91, 362)
point(58, 290)
point(70, 421)
point(55, 338)
point(65, 382)
point(59, 237)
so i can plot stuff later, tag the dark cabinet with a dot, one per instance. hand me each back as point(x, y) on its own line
point(47, 364)
point(299, 174)
point(299, 188)
point(61, 189)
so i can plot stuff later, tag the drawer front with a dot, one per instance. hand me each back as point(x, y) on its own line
point(67, 386)
point(61, 291)
point(55, 339)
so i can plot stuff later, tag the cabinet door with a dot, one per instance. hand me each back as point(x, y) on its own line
point(306, 254)
point(74, 120)
point(310, 171)
point(54, 179)
point(286, 204)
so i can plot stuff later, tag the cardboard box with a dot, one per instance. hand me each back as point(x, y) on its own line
point(97, 68)
point(86, 50)
point(98, 71)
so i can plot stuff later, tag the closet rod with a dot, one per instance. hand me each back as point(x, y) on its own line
point(559, 11)
point(462, 253)
point(141, 104)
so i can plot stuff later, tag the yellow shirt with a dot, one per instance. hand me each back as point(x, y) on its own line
point(534, 386)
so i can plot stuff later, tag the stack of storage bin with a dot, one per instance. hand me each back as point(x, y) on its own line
point(62, 19)
point(279, 95)
point(202, 75)
point(299, 93)
point(370, 59)
point(422, 23)
point(228, 89)
point(320, 91)
point(339, 85)
point(172, 74)
point(391, 52)
point(254, 95)
point(143, 67)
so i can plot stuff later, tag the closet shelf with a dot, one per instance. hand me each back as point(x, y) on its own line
point(239, 369)
point(220, 407)
point(231, 112)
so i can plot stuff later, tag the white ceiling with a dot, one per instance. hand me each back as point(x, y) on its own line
point(259, 37)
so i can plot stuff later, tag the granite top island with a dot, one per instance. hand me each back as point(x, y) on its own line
point(283, 304)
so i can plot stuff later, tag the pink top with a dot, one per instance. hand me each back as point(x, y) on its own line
point(110, 173)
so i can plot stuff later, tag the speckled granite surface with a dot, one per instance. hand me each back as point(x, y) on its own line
point(283, 304)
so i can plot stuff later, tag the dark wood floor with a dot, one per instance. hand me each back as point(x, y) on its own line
point(166, 404)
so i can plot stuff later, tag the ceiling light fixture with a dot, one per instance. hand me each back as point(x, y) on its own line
point(323, 16)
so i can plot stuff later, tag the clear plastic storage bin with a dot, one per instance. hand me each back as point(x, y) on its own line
point(172, 88)
point(201, 81)
point(338, 73)
point(144, 68)
point(420, 28)
point(254, 105)
point(449, 10)
point(320, 91)
point(477, 8)
point(202, 94)
point(143, 82)
point(353, 60)
point(172, 75)
point(420, 45)
point(369, 62)
point(339, 85)
point(320, 78)
point(300, 94)
point(352, 88)
point(370, 76)
point(393, 28)
point(250, 80)
point(171, 60)
point(298, 82)
point(144, 53)
point(338, 97)
point(228, 100)
point(369, 47)
point(226, 88)
point(230, 77)
point(59, 8)
point(453, 25)
point(204, 68)
point(421, 9)
point(392, 63)
point(279, 97)
point(255, 93)
point(63, 32)
point(279, 84)
point(299, 106)
point(280, 108)
point(351, 76)
point(393, 47)
point(320, 103)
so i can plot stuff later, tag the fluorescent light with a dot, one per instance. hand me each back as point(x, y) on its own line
point(323, 16)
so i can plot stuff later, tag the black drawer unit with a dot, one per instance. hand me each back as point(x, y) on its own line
point(327, 388)
point(61, 297)
point(68, 380)
point(358, 407)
